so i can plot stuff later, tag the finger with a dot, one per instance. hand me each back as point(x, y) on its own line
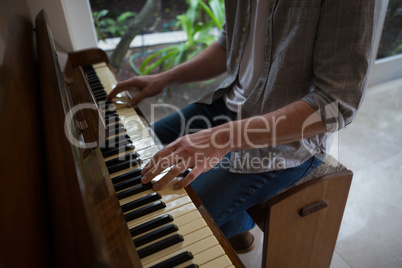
point(173, 173)
point(160, 154)
point(121, 86)
point(137, 98)
point(118, 88)
point(159, 166)
point(192, 175)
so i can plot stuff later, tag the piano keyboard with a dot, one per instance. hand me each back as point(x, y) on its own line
point(167, 229)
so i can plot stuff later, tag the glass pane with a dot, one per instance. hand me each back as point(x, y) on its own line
point(161, 42)
point(391, 37)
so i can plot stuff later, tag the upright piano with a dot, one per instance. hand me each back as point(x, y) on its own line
point(95, 210)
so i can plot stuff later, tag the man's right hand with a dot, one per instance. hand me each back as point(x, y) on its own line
point(148, 86)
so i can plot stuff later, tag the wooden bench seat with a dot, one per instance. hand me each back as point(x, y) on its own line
point(301, 223)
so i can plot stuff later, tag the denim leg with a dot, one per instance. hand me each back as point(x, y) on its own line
point(227, 195)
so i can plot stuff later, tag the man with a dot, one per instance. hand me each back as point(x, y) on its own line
point(296, 72)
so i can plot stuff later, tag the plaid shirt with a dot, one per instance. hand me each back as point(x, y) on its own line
point(318, 51)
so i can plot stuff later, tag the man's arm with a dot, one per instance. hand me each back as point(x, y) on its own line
point(203, 150)
point(341, 60)
point(208, 64)
point(342, 57)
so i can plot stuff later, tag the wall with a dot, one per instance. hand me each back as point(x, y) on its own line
point(70, 21)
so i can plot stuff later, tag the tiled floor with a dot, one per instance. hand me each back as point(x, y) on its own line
point(371, 230)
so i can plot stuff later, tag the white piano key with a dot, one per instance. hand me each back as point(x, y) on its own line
point(195, 249)
point(124, 171)
point(189, 239)
point(144, 143)
point(122, 154)
point(99, 65)
point(149, 152)
point(106, 77)
point(184, 230)
point(208, 255)
point(113, 136)
point(180, 221)
point(168, 194)
point(222, 261)
point(176, 207)
point(139, 134)
point(126, 112)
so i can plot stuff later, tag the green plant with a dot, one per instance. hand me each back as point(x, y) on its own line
point(198, 34)
point(109, 27)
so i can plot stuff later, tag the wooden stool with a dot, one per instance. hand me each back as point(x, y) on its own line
point(301, 223)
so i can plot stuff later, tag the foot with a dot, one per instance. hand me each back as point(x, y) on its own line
point(243, 242)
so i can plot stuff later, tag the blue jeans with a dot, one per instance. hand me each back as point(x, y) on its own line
point(227, 195)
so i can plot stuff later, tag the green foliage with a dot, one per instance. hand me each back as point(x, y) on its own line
point(198, 34)
point(110, 27)
point(396, 51)
point(391, 36)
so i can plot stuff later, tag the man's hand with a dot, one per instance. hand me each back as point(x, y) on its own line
point(147, 86)
point(208, 64)
point(200, 152)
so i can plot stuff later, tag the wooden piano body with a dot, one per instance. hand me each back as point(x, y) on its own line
point(58, 204)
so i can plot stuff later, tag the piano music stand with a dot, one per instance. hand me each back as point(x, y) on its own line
point(301, 223)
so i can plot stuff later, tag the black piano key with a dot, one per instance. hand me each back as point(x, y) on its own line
point(124, 165)
point(156, 234)
point(92, 79)
point(127, 183)
point(106, 106)
point(176, 260)
point(100, 95)
point(97, 87)
point(89, 72)
point(160, 245)
point(116, 142)
point(110, 113)
point(116, 130)
point(135, 190)
point(129, 175)
point(113, 151)
point(87, 68)
point(192, 266)
point(123, 158)
point(141, 202)
point(144, 211)
point(101, 98)
point(152, 224)
point(116, 127)
point(97, 90)
point(94, 82)
point(111, 119)
point(91, 75)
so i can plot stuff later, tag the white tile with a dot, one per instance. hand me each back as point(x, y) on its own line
point(338, 262)
point(371, 230)
point(253, 258)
